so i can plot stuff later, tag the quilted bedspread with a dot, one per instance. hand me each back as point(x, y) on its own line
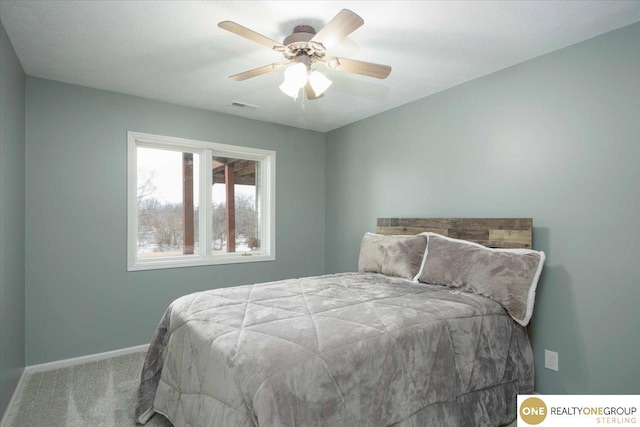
point(351, 349)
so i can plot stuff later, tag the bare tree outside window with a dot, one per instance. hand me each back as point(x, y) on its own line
point(160, 206)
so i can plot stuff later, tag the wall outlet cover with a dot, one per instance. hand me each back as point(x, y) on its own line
point(551, 360)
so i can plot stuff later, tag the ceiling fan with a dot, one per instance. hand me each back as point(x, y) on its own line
point(305, 47)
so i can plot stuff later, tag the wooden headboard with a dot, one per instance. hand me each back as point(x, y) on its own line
point(491, 232)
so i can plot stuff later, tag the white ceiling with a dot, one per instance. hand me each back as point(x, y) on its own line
point(173, 51)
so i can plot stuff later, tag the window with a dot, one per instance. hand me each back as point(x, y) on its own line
point(198, 203)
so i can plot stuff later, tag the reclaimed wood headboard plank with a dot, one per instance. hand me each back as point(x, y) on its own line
point(491, 232)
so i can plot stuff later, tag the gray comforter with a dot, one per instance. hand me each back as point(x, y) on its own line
point(352, 349)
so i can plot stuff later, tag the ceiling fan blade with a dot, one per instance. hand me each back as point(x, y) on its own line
point(308, 90)
point(343, 24)
point(256, 72)
point(369, 69)
point(251, 35)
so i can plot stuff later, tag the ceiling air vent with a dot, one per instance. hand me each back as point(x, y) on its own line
point(243, 106)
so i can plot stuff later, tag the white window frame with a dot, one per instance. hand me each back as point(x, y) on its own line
point(267, 172)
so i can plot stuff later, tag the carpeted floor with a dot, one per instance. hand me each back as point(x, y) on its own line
point(102, 393)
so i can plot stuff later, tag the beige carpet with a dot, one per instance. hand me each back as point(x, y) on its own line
point(102, 393)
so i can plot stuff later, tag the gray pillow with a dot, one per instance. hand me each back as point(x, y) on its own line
point(399, 256)
point(507, 276)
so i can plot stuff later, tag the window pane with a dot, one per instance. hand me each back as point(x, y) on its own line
point(167, 203)
point(236, 227)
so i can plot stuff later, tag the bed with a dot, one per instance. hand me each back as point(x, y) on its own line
point(377, 347)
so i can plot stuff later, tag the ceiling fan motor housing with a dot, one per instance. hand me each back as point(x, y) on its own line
point(301, 34)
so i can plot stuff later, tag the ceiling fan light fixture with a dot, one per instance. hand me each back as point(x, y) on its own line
point(295, 77)
point(319, 82)
point(290, 90)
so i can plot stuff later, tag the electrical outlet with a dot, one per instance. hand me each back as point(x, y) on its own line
point(551, 360)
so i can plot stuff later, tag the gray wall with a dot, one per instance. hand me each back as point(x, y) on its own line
point(80, 298)
point(12, 165)
point(556, 138)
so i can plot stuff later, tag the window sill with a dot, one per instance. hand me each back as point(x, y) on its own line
point(196, 261)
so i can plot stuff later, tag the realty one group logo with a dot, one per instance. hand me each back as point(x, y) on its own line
point(533, 411)
point(576, 410)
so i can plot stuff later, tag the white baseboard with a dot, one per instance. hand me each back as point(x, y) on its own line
point(57, 364)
